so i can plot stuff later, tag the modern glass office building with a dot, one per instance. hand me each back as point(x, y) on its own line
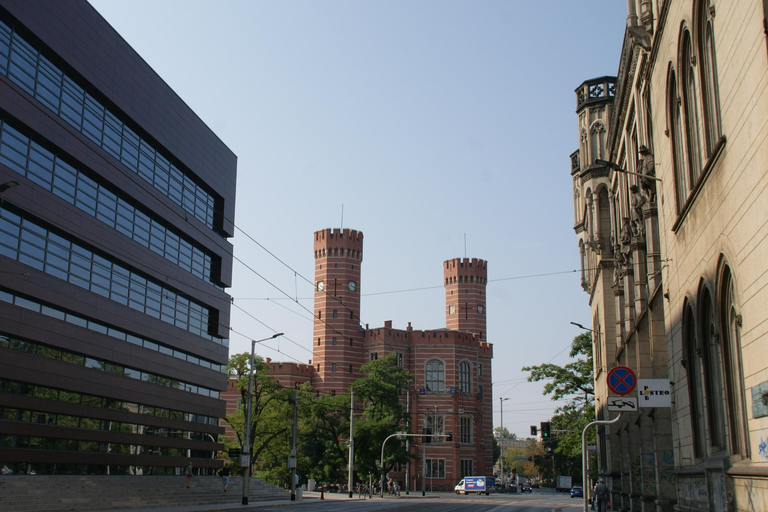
point(116, 205)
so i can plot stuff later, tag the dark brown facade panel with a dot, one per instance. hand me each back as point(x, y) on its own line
point(22, 367)
point(57, 333)
point(45, 124)
point(124, 80)
point(72, 298)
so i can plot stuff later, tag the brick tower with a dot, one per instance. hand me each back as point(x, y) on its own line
point(337, 338)
point(465, 282)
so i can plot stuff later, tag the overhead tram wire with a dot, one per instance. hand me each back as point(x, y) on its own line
point(360, 323)
point(311, 282)
point(270, 328)
point(265, 345)
point(407, 290)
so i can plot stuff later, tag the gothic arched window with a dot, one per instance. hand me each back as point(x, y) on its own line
point(465, 377)
point(713, 369)
point(675, 126)
point(709, 87)
point(691, 105)
point(693, 369)
point(597, 140)
point(734, 376)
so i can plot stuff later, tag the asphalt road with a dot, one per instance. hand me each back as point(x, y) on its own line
point(539, 501)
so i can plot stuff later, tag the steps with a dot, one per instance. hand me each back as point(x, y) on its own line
point(96, 493)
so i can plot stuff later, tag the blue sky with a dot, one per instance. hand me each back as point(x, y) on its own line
point(427, 123)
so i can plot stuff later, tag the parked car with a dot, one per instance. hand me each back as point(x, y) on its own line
point(526, 487)
point(535, 485)
point(577, 491)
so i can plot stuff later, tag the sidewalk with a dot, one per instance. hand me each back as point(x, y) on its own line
point(307, 497)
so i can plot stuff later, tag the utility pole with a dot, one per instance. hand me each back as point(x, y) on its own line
point(501, 441)
point(408, 443)
point(351, 465)
point(293, 444)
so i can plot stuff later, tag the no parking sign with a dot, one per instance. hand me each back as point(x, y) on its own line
point(621, 380)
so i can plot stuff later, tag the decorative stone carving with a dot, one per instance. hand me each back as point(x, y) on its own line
point(637, 200)
point(640, 36)
point(647, 167)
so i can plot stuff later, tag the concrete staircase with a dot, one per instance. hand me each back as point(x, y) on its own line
point(95, 493)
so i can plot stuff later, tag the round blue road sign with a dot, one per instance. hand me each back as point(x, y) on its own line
point(621, 380)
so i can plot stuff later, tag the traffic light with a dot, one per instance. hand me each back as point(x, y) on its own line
point(533, 430)
point(545, 430)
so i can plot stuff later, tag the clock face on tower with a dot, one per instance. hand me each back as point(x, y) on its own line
point(451, 309)
point(352, 286)
point(320, 286)
point(480, 308)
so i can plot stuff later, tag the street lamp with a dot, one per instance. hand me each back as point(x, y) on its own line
point(245, 459)
point(585, 328)
point(501, 440)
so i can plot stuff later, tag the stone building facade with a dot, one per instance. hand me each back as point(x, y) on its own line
point(673, 257)
point(451, 366)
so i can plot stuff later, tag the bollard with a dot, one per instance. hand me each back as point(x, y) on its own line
point(322, 490)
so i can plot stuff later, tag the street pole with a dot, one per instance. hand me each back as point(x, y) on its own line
point(352, 440)
point(424, 468)
point(584, 455)
point(293, 443)
point(245, 458)
point(501, 441)
point(408, 443)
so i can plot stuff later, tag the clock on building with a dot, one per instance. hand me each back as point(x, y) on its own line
point(451, 309)
point(320, 286)
point(480, 308)
point(352, 286)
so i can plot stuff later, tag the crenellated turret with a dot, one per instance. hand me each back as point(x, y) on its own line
point(465, 281)
point(347, 243)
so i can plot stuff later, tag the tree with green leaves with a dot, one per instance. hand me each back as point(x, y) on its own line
point(574, 382)
point(323, 435)
point(383, 413)
point(271, 415)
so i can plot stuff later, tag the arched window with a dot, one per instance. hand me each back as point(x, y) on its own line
point(736, 401)
point(597, 140)
point(713, 383)
point(691, 104)
point(465, 377)
point(435, 376)
point(693, 368)
point(709, 90)
point(675, 126)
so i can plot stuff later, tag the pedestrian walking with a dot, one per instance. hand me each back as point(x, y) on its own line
point(189, 474)
point(601, 495)
point(225, 476)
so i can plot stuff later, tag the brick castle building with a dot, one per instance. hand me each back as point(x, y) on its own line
point(451, 366)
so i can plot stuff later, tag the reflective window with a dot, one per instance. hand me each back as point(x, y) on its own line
point(38, 349)
point(25, 66)
point(96, 273)
point(48, 170)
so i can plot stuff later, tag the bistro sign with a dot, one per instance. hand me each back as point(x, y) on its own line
point(654, 393)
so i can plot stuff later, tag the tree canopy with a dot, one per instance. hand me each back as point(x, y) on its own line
point(573, 382)
point(323, 421)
